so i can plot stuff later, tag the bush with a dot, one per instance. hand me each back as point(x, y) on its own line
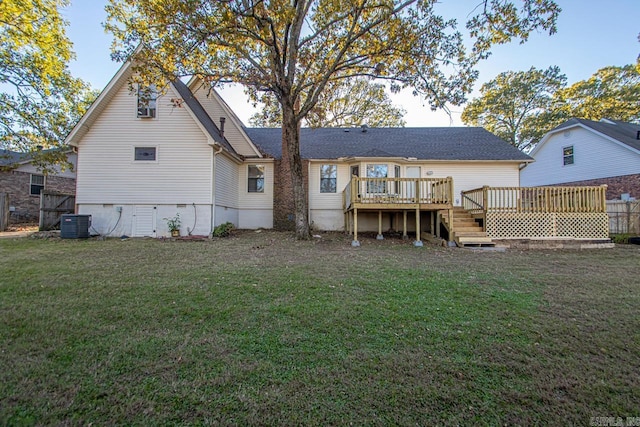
point(620, 238)
point(223, 230)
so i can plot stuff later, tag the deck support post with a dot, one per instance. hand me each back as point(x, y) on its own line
point(355, 243)
point(404, 225)
point(380, 236)
point(418, 241)
point(432, 219)
point(438, 224)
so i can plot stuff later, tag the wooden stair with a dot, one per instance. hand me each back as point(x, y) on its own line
point(466, 231)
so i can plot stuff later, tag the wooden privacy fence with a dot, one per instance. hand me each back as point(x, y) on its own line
point(534, 212)
point(4, 211)
point(52, 207)
point(624, 216)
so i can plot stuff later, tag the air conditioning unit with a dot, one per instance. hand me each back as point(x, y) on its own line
point(75, 226)
point(146, 112)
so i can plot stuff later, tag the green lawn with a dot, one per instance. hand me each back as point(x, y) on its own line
point(261, 329)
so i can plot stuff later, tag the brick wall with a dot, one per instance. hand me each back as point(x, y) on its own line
point(616, 185)
point(18, 186)
point(283, 206)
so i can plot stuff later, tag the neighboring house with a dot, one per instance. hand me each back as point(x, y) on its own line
point(24, 182)
point(144, 157)
point(587, 153)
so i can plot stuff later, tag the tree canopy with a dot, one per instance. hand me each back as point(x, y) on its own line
point(295, 49)
point(520, 107)
point(40, 100)
point(345, 103)
point(610, 93)
point(513, 104)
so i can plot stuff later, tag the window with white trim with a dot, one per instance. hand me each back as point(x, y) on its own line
point(328, 178)
point(147, 96)
point(36, 184)
point(567, 155)
point(255, 179)
point(377, 171)
point(145, 154)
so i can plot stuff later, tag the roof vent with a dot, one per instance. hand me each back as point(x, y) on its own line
point(638, 135)
point(364, 128)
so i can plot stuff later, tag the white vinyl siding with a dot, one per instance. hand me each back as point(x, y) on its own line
point(213, 107)
point(226, 182)
point(247, 200)
point(318, 200)
point(594, 157)
point(255, 209)
point(108, 173)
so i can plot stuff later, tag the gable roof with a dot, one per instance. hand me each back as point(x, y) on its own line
point(623, 132)
point(229, 114)
point(201, 115)
point(437, 143)
point(8, 158)
point(120, 78)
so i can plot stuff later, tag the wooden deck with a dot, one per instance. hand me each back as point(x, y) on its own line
point(486, 213)
point(403, 195)
point(540, 212)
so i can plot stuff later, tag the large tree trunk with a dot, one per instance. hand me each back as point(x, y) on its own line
point(291, 153)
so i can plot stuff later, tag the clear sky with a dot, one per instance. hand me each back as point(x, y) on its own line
point(591, 34)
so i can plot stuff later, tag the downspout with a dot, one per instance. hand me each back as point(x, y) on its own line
point(213, 187)
point(309, 193)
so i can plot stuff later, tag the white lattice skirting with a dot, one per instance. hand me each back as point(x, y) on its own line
point(535, 225)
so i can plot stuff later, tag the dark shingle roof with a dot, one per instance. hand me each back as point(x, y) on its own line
point(450, 143)
point(198, 110)
point(626, 133)
point(8, 158)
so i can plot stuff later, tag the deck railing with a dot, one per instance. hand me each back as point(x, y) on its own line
point(398, 191)
point(540, 212)
point(536, 199)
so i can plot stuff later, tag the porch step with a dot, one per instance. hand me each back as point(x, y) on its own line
point(468, 228)
point(464, 222)
point(474, 241)
point(466, 231)
point(478, 233)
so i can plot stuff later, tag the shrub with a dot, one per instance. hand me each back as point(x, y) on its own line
point(223, 230)
point(620, 238)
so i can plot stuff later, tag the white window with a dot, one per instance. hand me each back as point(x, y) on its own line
point(328, 178)
point(255, 180)
point(377, 171)
point(145, 154)
point(147, 96)
point(567, 155)
point(36, 184)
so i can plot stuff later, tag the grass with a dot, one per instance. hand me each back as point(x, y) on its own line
point(261, 329)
